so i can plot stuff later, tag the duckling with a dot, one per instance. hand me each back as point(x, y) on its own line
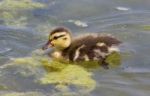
point(86, 48)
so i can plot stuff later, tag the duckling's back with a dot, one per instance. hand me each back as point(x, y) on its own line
point(92, 47)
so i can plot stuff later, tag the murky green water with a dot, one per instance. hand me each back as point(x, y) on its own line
point(24, 27)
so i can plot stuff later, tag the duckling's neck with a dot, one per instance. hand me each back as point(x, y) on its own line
point(56, 54)
point(61, 49)
point(60, 52)
point(66, 49)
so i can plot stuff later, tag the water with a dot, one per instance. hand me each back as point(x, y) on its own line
point(23, 30)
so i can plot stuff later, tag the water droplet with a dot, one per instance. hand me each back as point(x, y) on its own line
point(78, 23)
point(122, 8)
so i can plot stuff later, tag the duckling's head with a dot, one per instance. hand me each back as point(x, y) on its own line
point(59, 38)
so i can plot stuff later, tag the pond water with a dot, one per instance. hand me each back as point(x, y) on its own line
point(24, 27)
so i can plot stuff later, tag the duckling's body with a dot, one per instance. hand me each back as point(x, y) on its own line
point(87, 48)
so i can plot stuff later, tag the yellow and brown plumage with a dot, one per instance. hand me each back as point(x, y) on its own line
point(86, 48)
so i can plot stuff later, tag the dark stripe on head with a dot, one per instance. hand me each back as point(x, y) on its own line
point(56, 37)
point(59, 29)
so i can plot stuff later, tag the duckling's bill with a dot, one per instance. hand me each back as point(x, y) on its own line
point(47, 45)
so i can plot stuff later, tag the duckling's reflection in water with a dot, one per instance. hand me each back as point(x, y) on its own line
point(91, 47)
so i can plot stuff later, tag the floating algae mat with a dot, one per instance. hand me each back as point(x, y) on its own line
point(70, 75)
point(11, 10)
point(59, 73)
point(19, 4)
point(22, 94)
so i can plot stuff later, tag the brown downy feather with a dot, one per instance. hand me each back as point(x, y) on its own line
point(89, 42)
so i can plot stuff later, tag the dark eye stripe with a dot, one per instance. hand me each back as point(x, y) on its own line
point(56, 37)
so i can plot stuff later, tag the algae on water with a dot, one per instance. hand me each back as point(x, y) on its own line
point(114, 60)
point(70, 75)
point(19, 4)
point(13, 11)
point(22, 94)
point(61, 74)
point(58, 73)
point(146, 27)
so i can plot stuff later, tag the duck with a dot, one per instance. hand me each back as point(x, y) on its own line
point(88, 47)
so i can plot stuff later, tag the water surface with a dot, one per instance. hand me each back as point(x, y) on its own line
point(23, 30)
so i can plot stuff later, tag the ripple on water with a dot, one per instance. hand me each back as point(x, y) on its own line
point(4, 50)
point(17, 42)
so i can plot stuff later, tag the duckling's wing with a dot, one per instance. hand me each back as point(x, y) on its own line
point(91, 39)
point(109, 40)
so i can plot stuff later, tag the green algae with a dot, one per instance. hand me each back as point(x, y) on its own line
point(70, 75)
point(13, 11)
point(7, 15)
point(146, 27)
point(61, 73)
point(23, 94)
point(114, 60)
point(19, 4)
point(58, 72)
point(2, 87)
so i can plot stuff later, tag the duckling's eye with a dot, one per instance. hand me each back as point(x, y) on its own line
point(64, 38)
point(55, 38)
